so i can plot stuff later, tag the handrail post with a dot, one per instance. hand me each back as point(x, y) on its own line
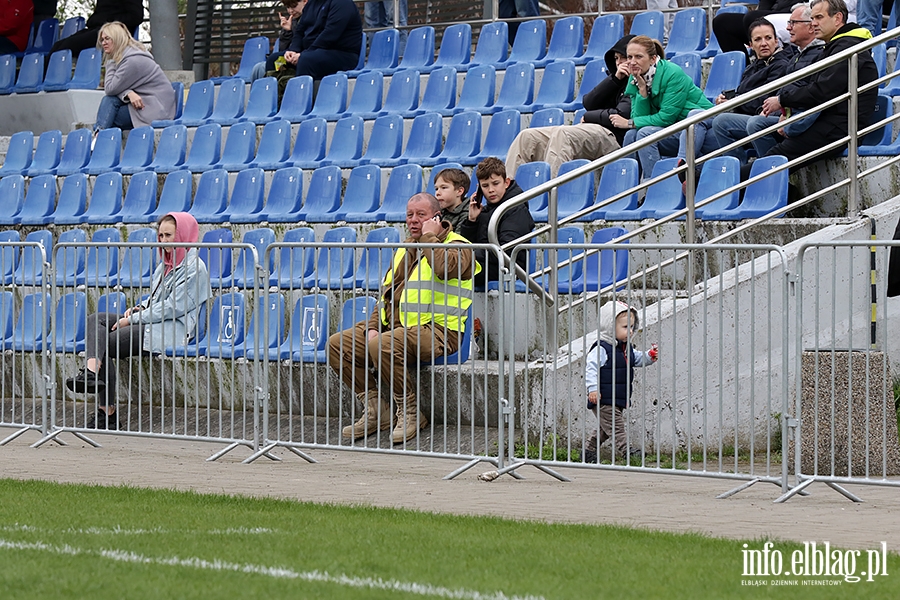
point(852, 128)
point(689, 193)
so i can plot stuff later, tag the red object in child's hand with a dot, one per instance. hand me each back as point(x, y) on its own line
point(654, 351)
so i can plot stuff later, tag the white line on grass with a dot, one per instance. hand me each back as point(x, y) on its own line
point(422, 589)
point(121, 531)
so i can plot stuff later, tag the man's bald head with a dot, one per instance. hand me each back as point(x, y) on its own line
point(420, 208)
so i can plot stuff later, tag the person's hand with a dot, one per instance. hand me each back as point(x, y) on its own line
point(720, 99)
point(285, 21)
point(592, 397)
point(475, 207)
point(653, 352)
point(372, 334)
point(641, 84)
point(433, 225)
point(781, 130)
point(622, 71)
point(618, 121)
point(771, 105)
point(136, 101)
point(123, 322)
point(291, 57)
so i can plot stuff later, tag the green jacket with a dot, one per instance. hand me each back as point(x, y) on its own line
point(672, 95)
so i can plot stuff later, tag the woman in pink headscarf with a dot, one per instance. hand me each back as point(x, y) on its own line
point(167, 317)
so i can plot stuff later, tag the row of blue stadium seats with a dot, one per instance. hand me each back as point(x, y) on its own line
point(48, 32)
point(59, 74)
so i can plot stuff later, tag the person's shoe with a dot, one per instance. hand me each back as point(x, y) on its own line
point(85, 382)
point(376, 416)
point(589, 456)
point(102, 420)
point(409, 420)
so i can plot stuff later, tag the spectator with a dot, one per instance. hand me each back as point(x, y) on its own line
point(169, 316)
point(381, 14)
point(661, 94)
point(495, 187)
point(732, 29)
point(869, 14)
point(286, 23)
point(15, 24)
point(424, 299)
point(662, 6)
point(128, 12)
point(829, 20)
point(595, 136)
point(450, 187)
point(43, 10)
point(327, 39)
point(608, 376)
point(137, 91)
point(511, 9)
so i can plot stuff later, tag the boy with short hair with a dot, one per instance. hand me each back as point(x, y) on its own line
point(495, 187)
point(609, 374)
point(450, 187)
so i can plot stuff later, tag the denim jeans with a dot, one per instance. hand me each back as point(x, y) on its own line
point(650, 155)
point(381, 14)
point(868, 15)
point(767, 142)
point(113, 113)
point(510, 9)
point(704, 141)
point(729, 128)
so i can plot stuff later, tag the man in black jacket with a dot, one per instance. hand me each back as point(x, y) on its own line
point(595, 136)
point(830, 21)
point(129, 12)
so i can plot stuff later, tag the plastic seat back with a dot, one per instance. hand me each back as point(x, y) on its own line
point(178, 89)
point(9, 260)
point(171, 150)
point(547, 117)
point(650, 23)
point(40, 200)
point(566, 40)
point(199, 104)
point(456, 45)
point(724, 73)
point(247, 196)
point(102, 266)
point(76, 153)
point(362, 196)
point(138, 262)
point(530, 43)
point(463, 138)
point(425, 137)
point(138, 151)
point(334, 267)
point(211, 199)
point(404, 181)
point(113, 302)
point(663, 197)
point(331, 98)
point(386, 139)
point(263, 101)
point(761, 197)
point(492, 46)
point(691, 64)
point(69, 260)
point(594, 73)
point(274, 144)
point(106, 153)
point(12, 190)
point(419, 50)
point(30, 270)
point(227, 322)
point(558, 84)
point(18, 154)
point(268, 319)
point(32, 324)
point(605, 32)
point(440, 91)
point(616, 178)
point(255, 51)
point(309, 330)
point(285, 196)
point(244, 274)
point(106, 200)
point(31, 74)
point(353, 311)
point(403, 92)
point(375, 262)
point(176, 195)
point(310, 143)
point(46, 154)
point(530, 175)
point(517, 88)
point(384, 51)
point(884, 108)
point(502, 130)
point(140, 199)
point(719, 173)
point(7, 74)
point(70, 26)
point(87, 70)
point(293, 265)
point(609, 266)
point(59, 71)
point(688, 33)
point(46, 35)
point(569, 275)
point(574, 195)
point(217, 260)
point(368, 91)
point(240, 146)
point(478, 88)
point(205, 148)
point(347, 140)
point(323, 196)
point(230, 101)
point(297, 100)
point(72, 200)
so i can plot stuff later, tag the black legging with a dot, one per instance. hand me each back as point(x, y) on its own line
point(106, 345)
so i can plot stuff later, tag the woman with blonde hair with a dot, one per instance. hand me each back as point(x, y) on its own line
point(137, 90)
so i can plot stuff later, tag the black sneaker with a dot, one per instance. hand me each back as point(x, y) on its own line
point(589, 456)
point(85, 382)
point(102, 420)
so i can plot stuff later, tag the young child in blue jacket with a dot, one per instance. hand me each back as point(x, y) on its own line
point(609, 374)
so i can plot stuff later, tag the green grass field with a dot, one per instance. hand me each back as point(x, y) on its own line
point(74, 541)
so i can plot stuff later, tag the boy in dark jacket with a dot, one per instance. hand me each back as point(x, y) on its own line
point(496, 188)
point(595, 136)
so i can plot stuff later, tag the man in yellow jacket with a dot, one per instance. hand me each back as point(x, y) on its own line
point(424, 299)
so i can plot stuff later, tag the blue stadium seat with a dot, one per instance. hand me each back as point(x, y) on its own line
point(530, 44)
point(285, 197)
point(230, 102)
point(113, 302)
point(688, 33)
point(70, 26)
point(572, 196)
point(46, 35)
point(297, 100)
point(713, 48)
point(262, 103)
point(385, 140)
point(334, 267)
point(440, 93)
point(557, 88)
point(72, 201)
point(7, 74)
point(170, 150)
point(362, 196)
point(375, 262)
point(106, 200)
point(566, 41)
point(102, 266)
point(75, 155)
point(402, 95)
point(211, 200)
point(268, 318)
point(353, 311)
point(605, 32)
point(29, 331)
point(40, 200)
point(762, 197)
point(197, 108)
point(59, 71)
point(492, 46)
point(461, 355)
point(30, 270)
point(255, 50)
point(463, 141)
point(262, 238)
point(419, 51)
point(247, 196)
point(12, 190)
point(331, 98)
point(240, 146)
point(404, 181)
point(18, 154)
point(880, 139)
point(178, 88)
point(605, 268)
point(274, 144)
point(106, 153)
point(31, 74)
point(547, 117)
point(502, 130)
point(346, 145)
point(456, 47)
point(205, 148)
point(724, 73)
point(324, 195)
point(569, 274)
point(138, 262)
point(227, 321)
point(176, 194)
point(650, 23)
point(217, 260)
point(424, 142)
point(368, 90)
point(311, 147)
point(7, 318)
point(718, 174)
point(9, 260)
point(294, 264)
point(46, 154)
point(530, 175)
point(616, 178)
point(138, 151)
point(594, 72)
point(140, 199)
point(384, 51)
point(691, 63)
point(87, 70)
point(309, 331)
point(879, 55)
point(664, 197)
point(477, 90)
point(517, 88)
point(68, 261)
point(362, 52)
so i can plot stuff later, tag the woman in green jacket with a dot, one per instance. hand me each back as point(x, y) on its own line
point(661, 94)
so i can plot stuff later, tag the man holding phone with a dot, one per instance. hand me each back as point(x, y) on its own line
point(425, 297)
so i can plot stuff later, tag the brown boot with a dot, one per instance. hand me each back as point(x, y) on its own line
point(409, 419)
point(376, 416)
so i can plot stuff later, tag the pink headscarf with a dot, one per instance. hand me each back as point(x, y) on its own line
point(186, 231)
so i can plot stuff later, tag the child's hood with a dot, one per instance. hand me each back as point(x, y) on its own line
point(606, 330)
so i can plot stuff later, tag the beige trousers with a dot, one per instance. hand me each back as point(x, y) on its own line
point(610, 419)
point(556, 145)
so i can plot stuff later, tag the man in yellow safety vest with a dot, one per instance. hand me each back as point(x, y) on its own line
point(425, 296)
